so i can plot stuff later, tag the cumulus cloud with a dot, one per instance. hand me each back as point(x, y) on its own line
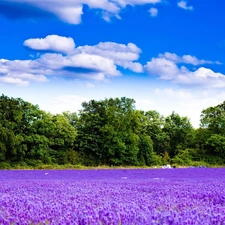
point(11, 80)
point(183, 5)
point(153, 12)
point(20, 72)
point(124, 3)
point(167, 69)
point(67, 10)
point(188, 59)
point(122, 55)
point(51, 42)
point(62, 59)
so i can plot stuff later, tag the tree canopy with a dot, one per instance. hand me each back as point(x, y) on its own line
point(108, 132)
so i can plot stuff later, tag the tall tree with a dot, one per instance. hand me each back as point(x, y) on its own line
point(213, 125)
point(11, 120)
point(152, 124)
point(90, 136)
point(108, 131)
point(213, 118)
point(62, 138)
point(180, 132)
point(72, 117)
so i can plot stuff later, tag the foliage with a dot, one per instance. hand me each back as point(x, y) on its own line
point(152, 124)
point(179, 131)
point(165, 158)
point(145, 153)
point(156, 159)
point(213, 118)
point(29, 133)
point(108, 132)
point(184, 157)
point(216, 145)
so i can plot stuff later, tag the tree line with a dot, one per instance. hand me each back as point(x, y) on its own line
point(108, 132)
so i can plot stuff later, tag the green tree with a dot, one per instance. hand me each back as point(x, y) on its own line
point(152, 124)
point(3, 148)
point(11, 113)
point(122, 128)
point(145, 153)
point(90, 136)
point(72, 117)
point(11, 121)
point(50, 138)
point(216, 145)
point(180, 132)
point(213, 118)
point(108, 132)
point(213, 125)
point(30, 133)
point(62, 138)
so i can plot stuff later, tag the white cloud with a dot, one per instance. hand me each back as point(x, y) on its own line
point(153, 12)
point(188, 59)
point(202, 76)
point(124, 3)
point(14, 81)
point(70, 14)
point(106, 16)
point(66, 10)
point(78, 65)
point(71, 11)
point(122, 55)
point(51, 42)
point(96, 62)
point(183, 5)
point(28, 76)
point(20, 72)
point(168, 70)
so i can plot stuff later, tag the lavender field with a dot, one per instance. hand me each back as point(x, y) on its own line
point(113, 197)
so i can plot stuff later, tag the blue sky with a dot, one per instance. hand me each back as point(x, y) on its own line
point(168, 55)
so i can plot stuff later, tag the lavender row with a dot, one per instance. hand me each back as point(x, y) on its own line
point(116, 174)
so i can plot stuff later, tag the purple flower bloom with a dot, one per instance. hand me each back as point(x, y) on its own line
point(101, 197)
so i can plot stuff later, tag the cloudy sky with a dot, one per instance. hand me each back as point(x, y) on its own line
point(168, 55)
